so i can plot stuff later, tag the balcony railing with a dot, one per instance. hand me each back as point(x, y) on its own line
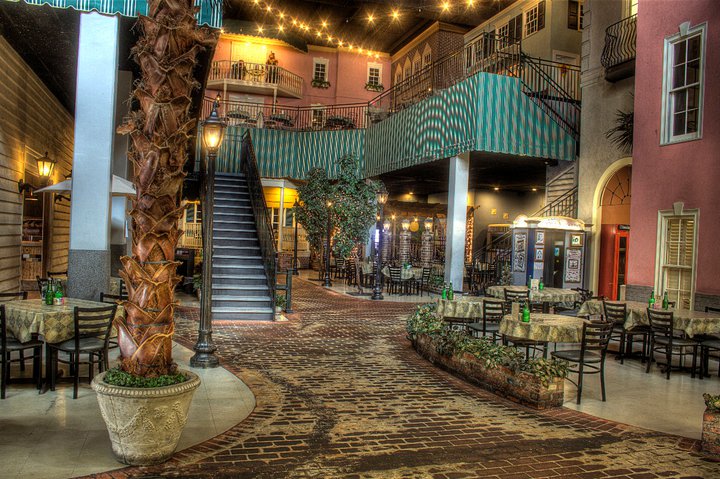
point(256, 75)
point(293, 118)
point(192, 235)
point(618, 56)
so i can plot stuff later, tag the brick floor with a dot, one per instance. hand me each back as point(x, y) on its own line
point(340, 393)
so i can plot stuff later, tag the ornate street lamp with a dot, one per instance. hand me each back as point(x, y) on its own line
point(45, 166)
point(382, 197)
point(328, 284)
point(295, 260)
point(428, 224)
point(213, 129)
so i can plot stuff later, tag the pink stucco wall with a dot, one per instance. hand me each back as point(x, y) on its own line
point(347, 73)
point(688, 172)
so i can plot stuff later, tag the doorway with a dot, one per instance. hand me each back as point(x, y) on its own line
point(614, 233)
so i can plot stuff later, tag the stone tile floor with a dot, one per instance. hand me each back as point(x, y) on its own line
point(340, 393)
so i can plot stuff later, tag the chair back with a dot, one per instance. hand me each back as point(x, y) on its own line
point(493, 310)
point(710, 309)
point(57, 274)
point(123, 290)
point(585, 294)
point(42, 283)
point(13, 296)
point(395, 273)
point(661, 322)
point(596, 337)
point(93, 323)
point(3, 332)
point(112, 298)
point(339, 264)
point(516, 296)
point(615, 313)
point(426, 275)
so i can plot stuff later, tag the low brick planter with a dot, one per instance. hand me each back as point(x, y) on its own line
point(711, 433)
point(518, 386)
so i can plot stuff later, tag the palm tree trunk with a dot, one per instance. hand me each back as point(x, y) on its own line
point(160, 134)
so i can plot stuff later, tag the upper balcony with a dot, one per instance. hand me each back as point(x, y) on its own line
point(254, 78)
point(618, 56)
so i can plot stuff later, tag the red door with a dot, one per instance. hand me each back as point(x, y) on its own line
point(620, 256)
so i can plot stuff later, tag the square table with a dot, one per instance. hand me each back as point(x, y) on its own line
point(470, 307)
point(54, 324)
point(565, 297)
point(689, 322)
point(542, 327)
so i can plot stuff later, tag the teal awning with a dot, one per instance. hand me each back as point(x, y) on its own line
point(210, 12)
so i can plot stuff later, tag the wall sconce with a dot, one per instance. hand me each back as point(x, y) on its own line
point(428, 224)
point(45, 166)
point(405, 224)
point(60, 198)
point(386, 226)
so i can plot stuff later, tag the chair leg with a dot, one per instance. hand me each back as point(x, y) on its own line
point(602, 378)
point(37, 367)
point(668, 358)
point(694, 363)
point(3, 374)
point(76, 376)
point(22, 360)
point(580, 383)
point(53, 367)
point(650, 355)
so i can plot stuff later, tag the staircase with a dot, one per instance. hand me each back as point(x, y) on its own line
point(240, 288)
point(561, 184)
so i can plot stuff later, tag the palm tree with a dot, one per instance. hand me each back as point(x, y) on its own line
point(160, 132)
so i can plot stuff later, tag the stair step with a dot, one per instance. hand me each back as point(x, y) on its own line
point(233, 314)
point(236, 268)
point(240, 291)
point(225, 204)
point(228, 221)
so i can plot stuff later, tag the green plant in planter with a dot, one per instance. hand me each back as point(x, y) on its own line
point(320, 83)
point(280, 301)
point(374, 87)
point(712, 402)
point(197, 281)
point(118, 377)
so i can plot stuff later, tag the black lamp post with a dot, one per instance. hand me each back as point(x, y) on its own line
point(327, 246)
point(213, 131)
point(295, 260)
point(382, 197)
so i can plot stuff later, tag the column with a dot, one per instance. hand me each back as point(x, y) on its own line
point(456, 219)
point(120, 240)
point(89, 255)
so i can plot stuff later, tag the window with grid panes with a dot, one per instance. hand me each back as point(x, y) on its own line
point(373, 75)
point(683, 86)
point(677, 258)
point(511, 31)
point(318, 116)
point(417, 66)
point(575, 15)
point(535, 19)
point(428, 59)
point(320, 70)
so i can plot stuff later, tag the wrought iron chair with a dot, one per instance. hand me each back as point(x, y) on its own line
point(396, 282)
point(8, 345)
point(616, 313)
point(664, 340)
point(493, 312)
point(92, 333)
point(709, 344)
point(20, 295)
point(590, 358)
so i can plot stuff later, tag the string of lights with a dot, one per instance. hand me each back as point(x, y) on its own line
point(320, 30)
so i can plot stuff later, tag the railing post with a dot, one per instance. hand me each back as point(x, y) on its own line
point(288, 291)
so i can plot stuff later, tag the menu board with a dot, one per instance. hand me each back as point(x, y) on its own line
point(573, 265)
point(519, 252)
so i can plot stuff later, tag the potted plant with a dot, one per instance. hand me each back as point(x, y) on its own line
point(711, 425)
point(280, 304)
point(145, 401)
point(377, 87)
point(320, 83)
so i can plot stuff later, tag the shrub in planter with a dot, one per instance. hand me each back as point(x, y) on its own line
point(500, 369)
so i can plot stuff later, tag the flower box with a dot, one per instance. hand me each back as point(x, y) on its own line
point(373, 87)
point(318, 83)
point(518, 386)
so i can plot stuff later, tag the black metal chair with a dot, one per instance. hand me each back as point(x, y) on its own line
point(20, 295)
point(396, 283)
point(42, 283)
point(339, 268)
point(92, 333)
point(424, 284)
point(616, 313)
point(664, 340)
point(493, 312)
point(590, 358)
point(515, 297)
point(709, 344)
point(8, 345)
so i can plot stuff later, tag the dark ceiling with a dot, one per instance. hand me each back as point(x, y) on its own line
point(487, 171)
point(348, 19)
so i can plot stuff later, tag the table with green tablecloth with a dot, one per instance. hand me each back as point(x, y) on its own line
point(690, 322)
point(550, 328)
point(462, 307)
point(565, 297)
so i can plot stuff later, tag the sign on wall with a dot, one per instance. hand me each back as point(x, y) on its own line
point(519, 253)
point(573, 265)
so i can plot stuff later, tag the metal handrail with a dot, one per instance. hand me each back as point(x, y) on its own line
point(620, 42)
point(261, 213)
point(292, 118)
point(256, 74)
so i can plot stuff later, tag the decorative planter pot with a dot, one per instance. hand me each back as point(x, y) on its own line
point(145, 423)
point(711, 433)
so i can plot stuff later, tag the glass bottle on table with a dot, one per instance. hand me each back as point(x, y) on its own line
point(49, 293)
point(59, 299)
point(526, 313)
point(444, 291)
point(651, 301)
point(450, 293)
point(666, 301)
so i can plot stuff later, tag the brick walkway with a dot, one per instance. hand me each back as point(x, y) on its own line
point(340, 393)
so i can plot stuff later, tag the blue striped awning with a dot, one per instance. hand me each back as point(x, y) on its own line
point(210, 12)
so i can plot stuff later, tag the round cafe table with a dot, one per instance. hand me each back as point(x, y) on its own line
point(542, 327)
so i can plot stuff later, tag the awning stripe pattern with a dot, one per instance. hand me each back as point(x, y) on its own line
point(210, 12)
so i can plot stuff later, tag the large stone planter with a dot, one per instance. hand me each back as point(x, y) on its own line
point(518, 386)
point(145, 423)
point(711, 433)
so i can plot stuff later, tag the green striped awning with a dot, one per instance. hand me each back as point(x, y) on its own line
point(210, 12)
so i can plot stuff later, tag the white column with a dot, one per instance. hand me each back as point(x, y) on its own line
point(456, 219)
point(90, 211)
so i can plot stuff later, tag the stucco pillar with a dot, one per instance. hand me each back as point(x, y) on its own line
point(456, 220)
point(90, 210)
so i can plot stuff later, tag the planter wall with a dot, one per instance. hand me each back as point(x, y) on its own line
point(518, 386)
point(711, 433)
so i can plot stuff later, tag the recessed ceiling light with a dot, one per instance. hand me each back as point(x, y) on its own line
point(496, 189)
